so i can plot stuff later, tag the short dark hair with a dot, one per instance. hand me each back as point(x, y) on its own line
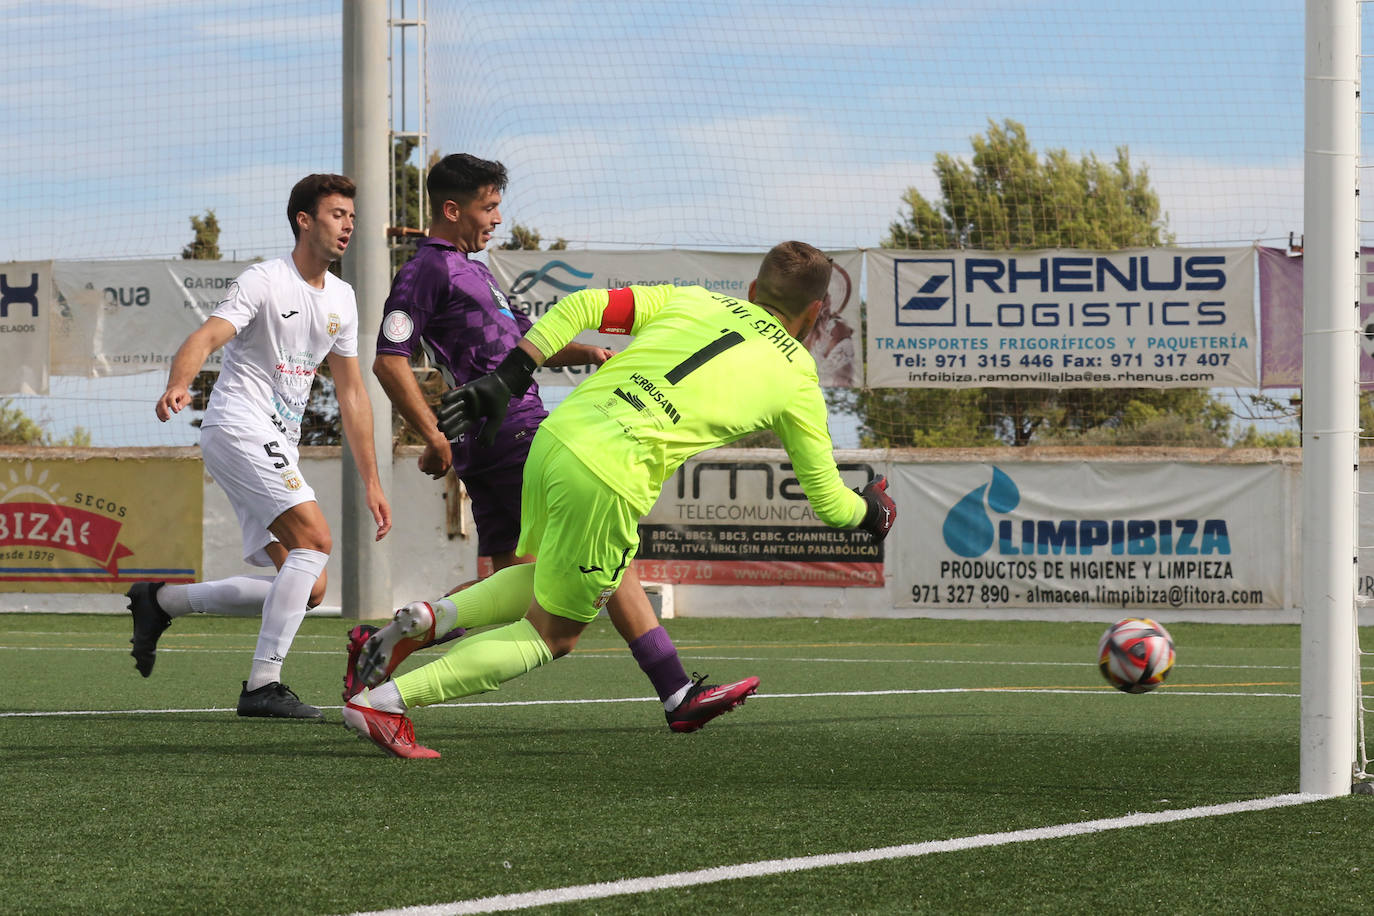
point(306, 195)
point(792, 276)
point(459, 176)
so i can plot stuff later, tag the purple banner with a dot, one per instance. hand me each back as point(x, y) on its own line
point(1280, 292)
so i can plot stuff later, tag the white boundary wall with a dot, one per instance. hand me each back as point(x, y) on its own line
point(426, 560)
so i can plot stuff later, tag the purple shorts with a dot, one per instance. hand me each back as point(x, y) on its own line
point(493, 478)
point(495, 499)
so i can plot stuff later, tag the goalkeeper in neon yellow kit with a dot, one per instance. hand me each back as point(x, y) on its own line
point(703, 370)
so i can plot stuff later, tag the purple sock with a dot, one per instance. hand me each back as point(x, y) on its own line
point(657, 655)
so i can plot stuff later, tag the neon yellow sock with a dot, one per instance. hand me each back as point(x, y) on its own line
point(502, 597)
point(476, 664)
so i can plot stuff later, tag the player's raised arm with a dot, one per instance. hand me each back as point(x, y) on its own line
point(187, 362)
point(610, 311)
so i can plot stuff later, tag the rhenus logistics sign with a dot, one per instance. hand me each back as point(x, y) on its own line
point(1158, 317)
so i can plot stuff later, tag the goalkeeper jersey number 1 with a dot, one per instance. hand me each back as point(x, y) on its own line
point(703, 370)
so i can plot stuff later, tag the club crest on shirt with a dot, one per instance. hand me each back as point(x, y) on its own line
point(334, 323)
point(502, 303)
point(292, 479)
point(397, 326)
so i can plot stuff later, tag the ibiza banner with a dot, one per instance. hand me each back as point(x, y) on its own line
point(122, 317)
point(535, 280)
point(747, 522)
point(1137, 318)
point(1093, 535)
point(26, 304)
point(99, 524)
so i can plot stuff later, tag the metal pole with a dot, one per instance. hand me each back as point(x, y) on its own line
point(366, 585)
point(1330, 450)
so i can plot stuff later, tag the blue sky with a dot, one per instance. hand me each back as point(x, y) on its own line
point(710, 124)
point(717, 123)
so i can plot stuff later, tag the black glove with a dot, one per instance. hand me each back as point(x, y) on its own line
point(486, 397)
point(882, 511)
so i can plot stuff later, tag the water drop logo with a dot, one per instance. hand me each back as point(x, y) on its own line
point(968, 529)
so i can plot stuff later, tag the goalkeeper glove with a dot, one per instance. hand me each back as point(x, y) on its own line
point(487, 397)
point(882, 511)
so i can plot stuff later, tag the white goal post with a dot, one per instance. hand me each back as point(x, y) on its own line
point(1330, 438)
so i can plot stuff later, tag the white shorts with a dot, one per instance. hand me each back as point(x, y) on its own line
point(259, 470)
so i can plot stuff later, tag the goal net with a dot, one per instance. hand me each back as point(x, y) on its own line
point(159, 132)
point(126, 122)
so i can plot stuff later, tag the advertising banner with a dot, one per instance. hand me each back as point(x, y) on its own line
point(98, 524)
point(535, 280)
point(1108, 535)
point(122, 317)
point(1280, 293)
point(1365, 568)
point(748, 523)
point(1148, 317)
point(25, 308)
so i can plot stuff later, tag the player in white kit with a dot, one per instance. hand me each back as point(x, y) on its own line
point(278, 322)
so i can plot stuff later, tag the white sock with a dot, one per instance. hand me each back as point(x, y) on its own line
point(386, 698)
point(263, 673)
point(674, 701)
point(283, 612)
point(445, 616)
point(237, 596)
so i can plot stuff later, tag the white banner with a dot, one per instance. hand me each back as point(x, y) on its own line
point(535, 280)
point(1089, 535)
point(1149, 317)
point(122, 317)
point(25, 306)
point(747, 522)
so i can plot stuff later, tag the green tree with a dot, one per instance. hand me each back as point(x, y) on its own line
point(527, 238)
point(205, 245)
point(406, 190)
point(522, 238)
point(17, 428)
point(409, 220)
point(1281, 438)
point(1009, 197)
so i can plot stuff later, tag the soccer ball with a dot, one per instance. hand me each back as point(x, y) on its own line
point(1135, 654)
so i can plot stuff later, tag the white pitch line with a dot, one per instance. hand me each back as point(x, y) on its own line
point(591, 701)
point(621, 655)
point(601, 890)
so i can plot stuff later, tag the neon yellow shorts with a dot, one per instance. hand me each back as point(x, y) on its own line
point(581, 532)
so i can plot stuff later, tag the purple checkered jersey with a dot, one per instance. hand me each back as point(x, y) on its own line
point(452, 307)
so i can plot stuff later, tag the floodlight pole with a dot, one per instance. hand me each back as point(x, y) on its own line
point(366, 573)
point(1330, 436)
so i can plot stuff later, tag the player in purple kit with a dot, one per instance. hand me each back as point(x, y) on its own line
point(451, 305)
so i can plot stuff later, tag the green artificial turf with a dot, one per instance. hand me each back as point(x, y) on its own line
point(126, 795)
